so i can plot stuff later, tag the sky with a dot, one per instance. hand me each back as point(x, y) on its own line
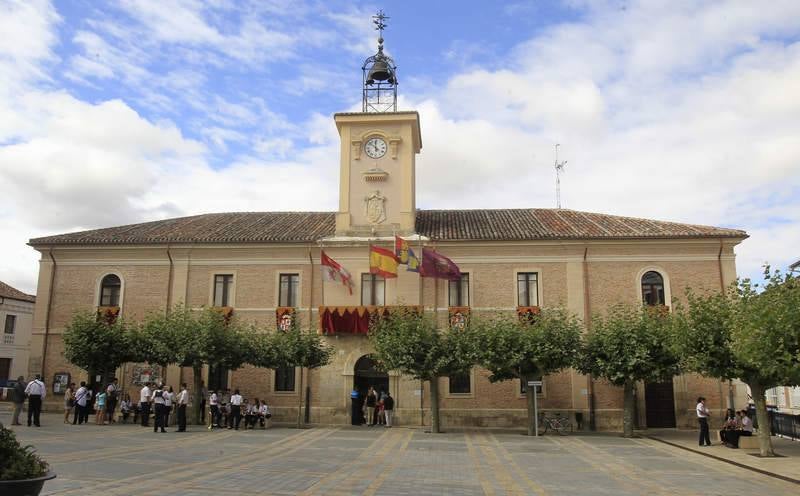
point(135, 110)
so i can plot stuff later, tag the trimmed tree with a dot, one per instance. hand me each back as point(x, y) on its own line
point(513, 348)
point(98, 346)
point(193, 339)
point(412, 344)
point(631, 343)
point(746, 334)
point(302, 348)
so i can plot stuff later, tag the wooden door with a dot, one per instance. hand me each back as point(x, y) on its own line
point(659, 400)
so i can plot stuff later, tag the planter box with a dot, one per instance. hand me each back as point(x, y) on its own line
point(25, 487)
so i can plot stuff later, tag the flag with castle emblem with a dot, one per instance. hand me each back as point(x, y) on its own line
point(438, 266)
point(405, 255)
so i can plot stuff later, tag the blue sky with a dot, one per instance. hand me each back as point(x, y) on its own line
point(133, 110)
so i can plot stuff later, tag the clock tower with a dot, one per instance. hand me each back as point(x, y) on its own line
point(377, 155)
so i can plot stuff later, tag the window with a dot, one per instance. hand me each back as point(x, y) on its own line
point(373, 289)
point(772, 396)
point(284, 379)
point(795, 398)
point(11, 323)
point(109, 291)
point(287, 293)
point(653, 289)
point(217, 377)
point(461, 383)
point(459, 292)
point(528, 289)
point(223, 284)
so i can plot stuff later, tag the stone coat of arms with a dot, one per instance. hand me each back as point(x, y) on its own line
point(375, 207)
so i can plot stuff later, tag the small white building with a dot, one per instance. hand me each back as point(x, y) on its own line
point(16, 316)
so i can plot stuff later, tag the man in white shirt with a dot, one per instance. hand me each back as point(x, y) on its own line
point(702, 418)
point(81, 395)
point(35, 392)
point(236, 409)
point(183, 400)
point(144, 404)
point(264, 414)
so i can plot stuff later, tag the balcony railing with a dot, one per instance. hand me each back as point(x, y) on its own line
point(356, 319)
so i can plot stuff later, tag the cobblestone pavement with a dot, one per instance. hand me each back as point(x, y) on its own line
point(132, 460)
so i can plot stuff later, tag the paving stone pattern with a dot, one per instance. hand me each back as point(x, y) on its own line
point(132, 460)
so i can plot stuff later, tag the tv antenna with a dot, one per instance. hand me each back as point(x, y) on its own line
point(559, 169)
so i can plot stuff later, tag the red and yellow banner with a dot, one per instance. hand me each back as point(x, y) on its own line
point(382, 262)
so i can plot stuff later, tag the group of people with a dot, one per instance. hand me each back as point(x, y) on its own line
point(227, 411)
point(80, 402)
point(34, 392)
point(376, 408)
point(736, 425)
point(161, 399)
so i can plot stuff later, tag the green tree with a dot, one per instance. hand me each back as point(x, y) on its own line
point(296, 347)
point(631, 343)
point(193, 339)
point(511, 348)
point(98, 346)
point(412, 344)
point(747, 334)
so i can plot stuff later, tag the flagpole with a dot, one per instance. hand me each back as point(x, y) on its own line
point(322, 303)
point(311, 295)
point(419, 275)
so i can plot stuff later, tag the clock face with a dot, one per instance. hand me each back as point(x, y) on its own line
point(375, 148)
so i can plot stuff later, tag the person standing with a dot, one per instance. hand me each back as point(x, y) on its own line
point(112, 392)
point(388, 408)
point(100, 408)
point(702, 418)
point(159, 402)
point(183, 400)
point(18, 398)
point(144, 404)
point(36, 393)
point(81, 395)
point(372, 406)
point(236, 410)
point(213, 406)
point(169, 399)
point(69, 401)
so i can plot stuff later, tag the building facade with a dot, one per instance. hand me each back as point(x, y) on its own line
point(264, 266)
point(16, 315)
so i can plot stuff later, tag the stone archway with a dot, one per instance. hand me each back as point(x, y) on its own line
point(366, 374)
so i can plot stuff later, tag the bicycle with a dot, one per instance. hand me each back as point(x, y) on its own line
point(559, 424)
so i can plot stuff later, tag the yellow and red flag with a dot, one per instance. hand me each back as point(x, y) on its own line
point(382, 262)
point(405, 255)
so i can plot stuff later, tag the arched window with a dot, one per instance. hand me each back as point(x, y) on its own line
point(109, 291)
point(653, 289)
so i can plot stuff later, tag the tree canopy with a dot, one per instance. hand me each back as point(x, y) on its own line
point(630, 343)
point(748, 332)
point(97, 345)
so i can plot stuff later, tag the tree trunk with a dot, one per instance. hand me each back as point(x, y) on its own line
point(764, 426)
point(197, 391)
point(300, 423)
point(435, 405)
point(627, 414)
point(530, 398)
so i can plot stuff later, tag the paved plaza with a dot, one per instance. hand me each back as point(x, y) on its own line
point(129, 459)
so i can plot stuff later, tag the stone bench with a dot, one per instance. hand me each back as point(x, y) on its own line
point(745, 442)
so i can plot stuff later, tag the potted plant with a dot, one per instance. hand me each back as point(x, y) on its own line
point(22, 472)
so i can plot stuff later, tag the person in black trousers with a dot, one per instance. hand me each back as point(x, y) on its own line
point(36, 392)
point(702, 418)
point(161, 410)
point(183, 399)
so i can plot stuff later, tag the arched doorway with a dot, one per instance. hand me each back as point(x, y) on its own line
point(366, 374)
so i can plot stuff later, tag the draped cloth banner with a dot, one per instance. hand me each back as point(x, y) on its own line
point(284, 318)
point(356, 320)
point(438, 266)
point(332, 271)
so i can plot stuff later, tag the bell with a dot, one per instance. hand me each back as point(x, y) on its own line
point(380, 71)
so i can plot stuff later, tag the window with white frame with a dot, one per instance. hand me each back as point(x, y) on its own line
point(110, 289)
point(458, 292)
point(528, 289)
point(373, 289)
point(653, 289)
point(288, 291)
point(223, 287)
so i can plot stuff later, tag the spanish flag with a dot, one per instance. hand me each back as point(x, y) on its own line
point(382, 262)
point(405, 255)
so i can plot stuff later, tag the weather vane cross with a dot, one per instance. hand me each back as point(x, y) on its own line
point(378, 20)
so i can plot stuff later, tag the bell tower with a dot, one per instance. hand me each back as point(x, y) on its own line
point(377, 155)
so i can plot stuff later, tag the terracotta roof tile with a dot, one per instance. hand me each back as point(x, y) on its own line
point(11, 293)
point(300, 227)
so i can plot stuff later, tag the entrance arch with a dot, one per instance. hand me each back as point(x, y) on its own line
point(366, 374)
